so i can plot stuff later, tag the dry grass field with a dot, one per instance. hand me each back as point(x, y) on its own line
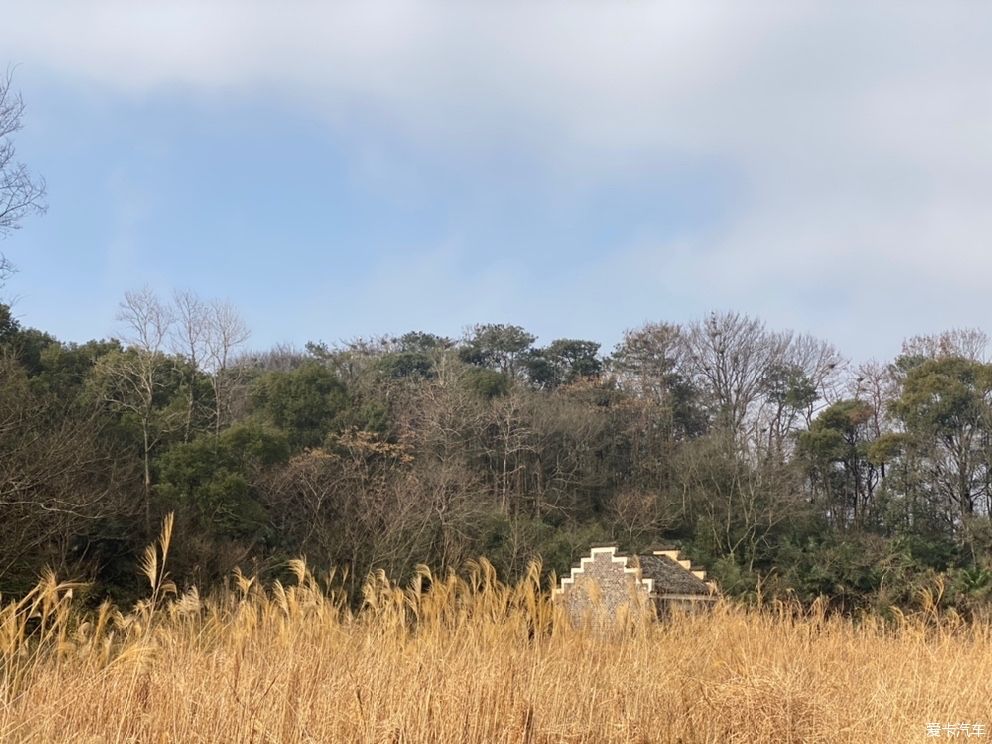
point(471, 660)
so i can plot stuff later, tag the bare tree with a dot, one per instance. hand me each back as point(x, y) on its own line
point(58, 474)
point(730, 356)
point(802, 382)
point(647, 358)
point(639, 512)
point(508, 449)
point(740, 503)
point(133, 380)
point(20, 193)
point(822, 365)
point(875, 383)
point(968, 343)
point(763, 385)
point(189, 340)
point(227, 332)
point(148, 322)
point(6, 269)
point(282, 357)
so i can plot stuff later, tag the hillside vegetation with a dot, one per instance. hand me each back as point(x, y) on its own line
point(764, 454)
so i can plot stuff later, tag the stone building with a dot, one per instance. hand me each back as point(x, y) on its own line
point(607, 586)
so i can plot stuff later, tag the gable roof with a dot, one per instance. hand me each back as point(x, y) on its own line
point(669, 577)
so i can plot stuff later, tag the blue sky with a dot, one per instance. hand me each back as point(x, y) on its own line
point(578, 168)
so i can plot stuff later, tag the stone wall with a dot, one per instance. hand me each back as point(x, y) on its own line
point(604, 588)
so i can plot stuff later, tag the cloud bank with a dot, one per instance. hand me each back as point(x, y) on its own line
point(856, 134)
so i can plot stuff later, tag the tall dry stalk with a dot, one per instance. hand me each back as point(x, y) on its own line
point(468, 658)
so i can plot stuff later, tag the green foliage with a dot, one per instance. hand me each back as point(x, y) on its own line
point(405, 364)
point(733, 578)
point(211, 479)
point(838, 435)
point(486, 383)
point(64, 368)
point(9, 326)
point(886, 448)
point(26, 344)
point(944, 406)
point(497, 346)
point(304, 403)
point(944, 396)
point(418, 342)
point(563, 361)
point(789, 386)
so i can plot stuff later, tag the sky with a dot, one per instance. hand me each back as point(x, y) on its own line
point(578, 168)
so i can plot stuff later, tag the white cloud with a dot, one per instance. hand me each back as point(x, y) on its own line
point(859, 131)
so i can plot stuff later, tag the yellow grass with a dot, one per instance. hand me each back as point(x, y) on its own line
point(471, 660)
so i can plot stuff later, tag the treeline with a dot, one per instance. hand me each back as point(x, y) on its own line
point(784, 468)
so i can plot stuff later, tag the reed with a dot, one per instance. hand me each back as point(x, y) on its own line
point(468, 658)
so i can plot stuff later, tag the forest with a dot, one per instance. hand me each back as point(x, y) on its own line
point(698, 284)
point(785, 469)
